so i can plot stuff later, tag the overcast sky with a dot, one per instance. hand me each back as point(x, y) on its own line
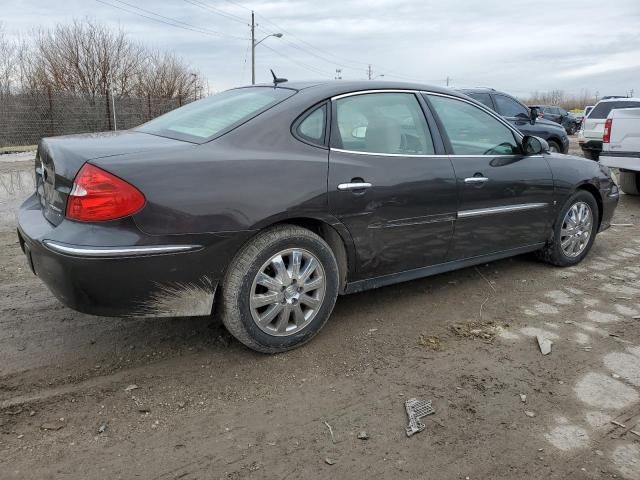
point(510, 45)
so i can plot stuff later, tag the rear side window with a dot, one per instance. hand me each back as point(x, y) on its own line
point(472, 131)
point(312, 127)
point(204, 119)
point(602, 109)
point(386, 123)
point(483, 98)
point(508, 107)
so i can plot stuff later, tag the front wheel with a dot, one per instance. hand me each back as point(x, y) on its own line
point(280, 289)
point(574, 231)
point(554, 147)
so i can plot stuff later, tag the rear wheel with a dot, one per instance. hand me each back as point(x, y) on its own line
point(630, 182)
point(574, 231)
point(280, 289)
point(591, 155)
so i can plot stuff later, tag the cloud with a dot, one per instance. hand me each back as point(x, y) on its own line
point(498, 43)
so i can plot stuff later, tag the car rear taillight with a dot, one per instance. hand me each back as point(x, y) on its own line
point(606, 135)
point(98, 196)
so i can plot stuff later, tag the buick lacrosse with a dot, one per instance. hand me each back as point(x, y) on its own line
point(265, 203)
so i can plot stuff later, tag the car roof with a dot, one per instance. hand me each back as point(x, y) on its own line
point(619, 99)
point(330, 88)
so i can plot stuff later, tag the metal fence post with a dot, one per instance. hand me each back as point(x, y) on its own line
point(108, 104)
point(52, 124)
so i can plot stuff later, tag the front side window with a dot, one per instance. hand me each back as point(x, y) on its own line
point(202, 120)
point(472, 131)
point(508, 107)
point(388, 123)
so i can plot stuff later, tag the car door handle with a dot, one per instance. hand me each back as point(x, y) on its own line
point(354, 186)
point(476, 180)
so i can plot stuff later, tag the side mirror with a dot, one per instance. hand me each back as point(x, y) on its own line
point(533, 115)
point(534, 145)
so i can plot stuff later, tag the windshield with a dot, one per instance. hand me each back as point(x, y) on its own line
point(202, 120)
point(602, 109)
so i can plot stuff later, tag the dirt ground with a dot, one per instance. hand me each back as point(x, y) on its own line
point(85, 397)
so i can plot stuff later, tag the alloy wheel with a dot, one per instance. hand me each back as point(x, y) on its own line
point(287, 292)
point(576, 229)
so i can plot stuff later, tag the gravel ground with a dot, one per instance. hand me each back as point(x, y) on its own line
point(90, 397)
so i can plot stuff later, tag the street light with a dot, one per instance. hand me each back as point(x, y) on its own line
point(254, 44)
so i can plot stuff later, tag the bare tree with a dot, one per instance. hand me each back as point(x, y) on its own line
point(165, 75)
point(8, 62)
point(560, 98)
point(86, 57)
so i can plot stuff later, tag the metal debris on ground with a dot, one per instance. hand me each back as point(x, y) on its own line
point(102, 428)
point(131, 387)
point(634, 432)
point(417, 409)
point(544, 344)
point(329, 461)
point(621, 425)
point(363, 435)
point(523, 398)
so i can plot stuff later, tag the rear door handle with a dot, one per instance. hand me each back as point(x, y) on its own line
point(354, 186)
point(476, 180)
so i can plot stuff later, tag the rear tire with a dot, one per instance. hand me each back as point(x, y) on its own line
point(267, 302)
point(630, 182)
point(559, 250)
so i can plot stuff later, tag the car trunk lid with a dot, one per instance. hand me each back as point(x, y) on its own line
point(59, 159)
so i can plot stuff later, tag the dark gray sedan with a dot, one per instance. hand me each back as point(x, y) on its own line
point(265, 203)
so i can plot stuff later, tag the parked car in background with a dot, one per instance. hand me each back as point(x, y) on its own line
point(621, 147)
point(580, 114)
point(560, 116)
point(270, 201)
point(590, 134)
point(522, 117)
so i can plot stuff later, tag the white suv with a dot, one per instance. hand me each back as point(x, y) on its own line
point(590, 135)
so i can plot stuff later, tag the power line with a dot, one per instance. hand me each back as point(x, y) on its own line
point(304, 65)
point(171, 22)
point(206, 6)
point(341, 62)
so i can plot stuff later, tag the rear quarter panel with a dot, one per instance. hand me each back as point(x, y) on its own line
point(255, 175)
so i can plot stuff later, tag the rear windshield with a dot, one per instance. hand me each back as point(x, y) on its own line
point(202, 120)
point(602, 109)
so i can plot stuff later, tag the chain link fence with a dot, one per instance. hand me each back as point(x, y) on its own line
point(27, 117)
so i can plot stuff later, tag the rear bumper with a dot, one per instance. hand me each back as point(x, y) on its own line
point(592, 145)
point(170, 277)
point(626, 161)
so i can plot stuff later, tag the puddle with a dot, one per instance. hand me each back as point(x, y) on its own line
point(15, 186)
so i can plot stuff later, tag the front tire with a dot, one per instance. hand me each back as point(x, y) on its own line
point(574, 231)
point(554, 147)
point(280, 289)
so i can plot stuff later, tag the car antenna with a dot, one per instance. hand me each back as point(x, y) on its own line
point(277, 80)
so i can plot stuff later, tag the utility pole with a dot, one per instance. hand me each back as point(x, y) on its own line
point(370, 72)
point(253, 49)
point(448, 80)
